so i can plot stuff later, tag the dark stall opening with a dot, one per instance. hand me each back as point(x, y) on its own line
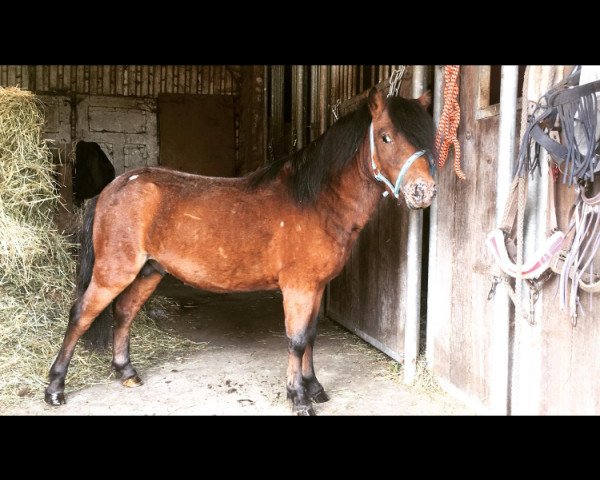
point(92, 171)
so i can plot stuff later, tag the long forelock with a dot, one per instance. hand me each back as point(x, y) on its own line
point(412, 121)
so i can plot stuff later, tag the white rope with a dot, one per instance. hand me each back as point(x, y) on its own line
point(396, 81)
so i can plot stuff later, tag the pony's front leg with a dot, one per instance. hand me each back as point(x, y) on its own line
point(301, 306)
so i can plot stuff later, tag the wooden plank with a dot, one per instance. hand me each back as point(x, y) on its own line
point(175, 74)
point(60, 82)
point(169, 79)
point(121, 80)
point(156, 80)
point(194, 77)
point(93, 82)
point(183, 79)
point(104, 79)
point(163, 79)
point(25, 77)
point(4, 75)
point(65, 80)
point(127, 80)
point(144, 82)
point(86, 76)
point(188, 80)
point(12, 76)
point(37, 77)
point(138, 80)
point(18, 75)
point(203, 79)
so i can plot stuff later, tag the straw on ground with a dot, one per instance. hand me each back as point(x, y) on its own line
point(37, 266)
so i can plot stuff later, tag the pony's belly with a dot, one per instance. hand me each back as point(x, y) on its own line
point(242, 277)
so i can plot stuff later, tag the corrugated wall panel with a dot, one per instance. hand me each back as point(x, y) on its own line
point(126, 80)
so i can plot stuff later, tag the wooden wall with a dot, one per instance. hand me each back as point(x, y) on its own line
point(127, 80)
point(458, 311)
point(553, 366)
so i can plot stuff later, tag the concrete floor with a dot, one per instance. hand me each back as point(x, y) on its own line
point(241, 369)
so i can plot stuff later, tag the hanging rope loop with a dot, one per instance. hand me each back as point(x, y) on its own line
point(395, 81)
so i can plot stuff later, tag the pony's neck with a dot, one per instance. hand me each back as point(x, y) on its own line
point(353, 196)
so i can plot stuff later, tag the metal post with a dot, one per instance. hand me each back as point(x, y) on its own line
point(323, 99)
point(499, 354)
point(413, 266)
point(299, 104)
point(433, 315)
point(314, 102)
point(528, 339)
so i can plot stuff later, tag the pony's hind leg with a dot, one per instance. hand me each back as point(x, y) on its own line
point(125, 308)
point(83, 312)
point(301, 306)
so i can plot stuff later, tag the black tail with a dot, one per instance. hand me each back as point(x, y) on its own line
point(100, 332)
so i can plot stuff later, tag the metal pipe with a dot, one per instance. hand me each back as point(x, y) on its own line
point(413, 266)
point(334, 92)
point(323, 98)
point(500, 334)
point(527, 341)
point(433, 313)
point(314, 102)
point(298, 104)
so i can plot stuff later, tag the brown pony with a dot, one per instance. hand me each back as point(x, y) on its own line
point(287, 226)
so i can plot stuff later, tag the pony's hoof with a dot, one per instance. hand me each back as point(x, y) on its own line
point(55, 399)
point(132, 382)
point(320, 397)
point(304, 412)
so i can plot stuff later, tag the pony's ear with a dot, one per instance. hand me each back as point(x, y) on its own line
point(376, 103)
point(425, 99)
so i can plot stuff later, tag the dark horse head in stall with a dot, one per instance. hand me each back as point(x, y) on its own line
point(93, 171)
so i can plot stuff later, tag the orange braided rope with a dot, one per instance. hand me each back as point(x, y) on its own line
point(447, 132)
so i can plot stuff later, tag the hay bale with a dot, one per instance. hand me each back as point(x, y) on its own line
point(37, 269)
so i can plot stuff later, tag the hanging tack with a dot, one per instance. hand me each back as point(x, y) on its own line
point(396, 81)
point(447, 132)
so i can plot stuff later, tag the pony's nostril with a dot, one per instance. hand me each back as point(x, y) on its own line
point(418, 191)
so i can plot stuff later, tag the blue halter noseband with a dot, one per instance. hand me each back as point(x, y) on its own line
point(395, 189)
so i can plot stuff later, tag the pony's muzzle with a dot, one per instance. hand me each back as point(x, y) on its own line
point(419, 194)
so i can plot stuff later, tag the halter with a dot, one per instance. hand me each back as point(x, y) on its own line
point(395, 189)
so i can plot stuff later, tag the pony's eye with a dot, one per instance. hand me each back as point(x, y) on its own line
point(386, 138)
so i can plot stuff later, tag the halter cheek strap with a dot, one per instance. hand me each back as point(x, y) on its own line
point(394, 188)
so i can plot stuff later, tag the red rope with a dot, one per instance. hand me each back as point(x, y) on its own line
point(447, 132)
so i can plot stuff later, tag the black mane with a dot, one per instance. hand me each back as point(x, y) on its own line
point(310, 169)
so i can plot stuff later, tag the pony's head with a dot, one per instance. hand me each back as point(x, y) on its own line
point(401, 137)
